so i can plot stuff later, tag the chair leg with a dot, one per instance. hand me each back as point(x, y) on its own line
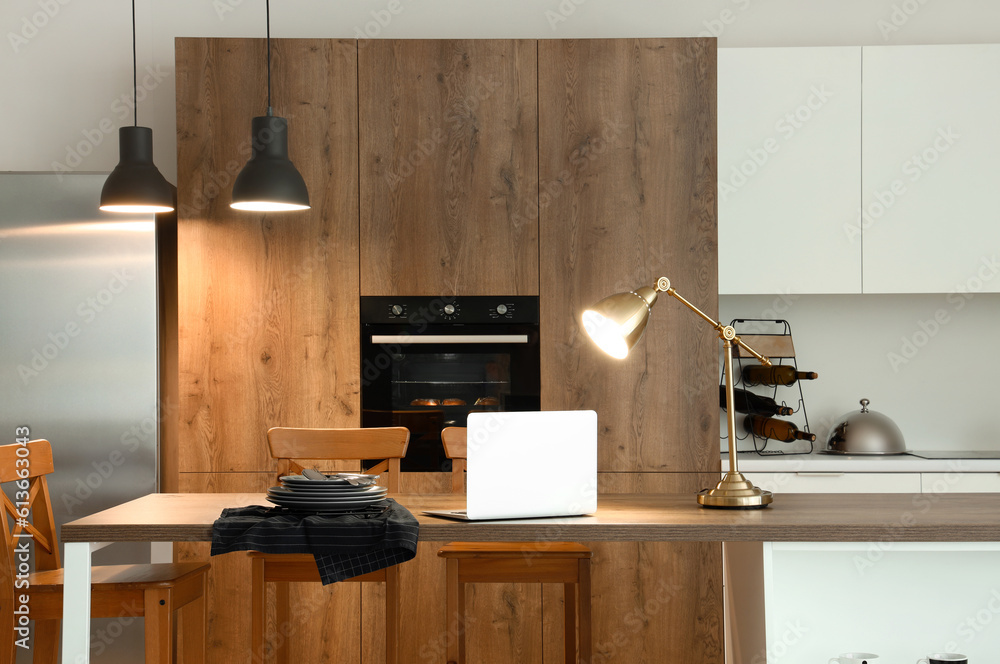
point(46, 642)
point(455, 606)
point(569, 618)
point(258, 610)
point(192, 629)
point(159, 618)
point(583, 606)
point(392, 615)
point(282, 621)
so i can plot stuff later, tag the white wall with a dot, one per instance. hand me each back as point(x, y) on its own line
point(66, 65)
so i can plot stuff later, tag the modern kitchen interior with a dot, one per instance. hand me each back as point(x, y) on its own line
point(784, 209)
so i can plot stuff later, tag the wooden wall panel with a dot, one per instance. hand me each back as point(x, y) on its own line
point(627, 144)
point(448, 167)
point(652, 601)
point(268, 303)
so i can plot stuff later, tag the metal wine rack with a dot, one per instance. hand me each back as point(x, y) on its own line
point(773, 339)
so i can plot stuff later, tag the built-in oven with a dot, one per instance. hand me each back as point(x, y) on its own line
point(427, 362)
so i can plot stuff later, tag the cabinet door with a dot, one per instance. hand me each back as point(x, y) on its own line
point(955, 482)
point(267, 303)
point(627, 149)
point(789, 168)
point(806, 482)
point(930, 168)
point(449, 167)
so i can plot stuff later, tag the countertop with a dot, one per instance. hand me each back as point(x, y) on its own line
point(792, 517)
point(818, 462)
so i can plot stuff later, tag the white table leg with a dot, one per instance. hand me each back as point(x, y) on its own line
point(161, 552)
point(76, 601)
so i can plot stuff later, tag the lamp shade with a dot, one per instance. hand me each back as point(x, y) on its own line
point(269, 182)
point(617, 322)
point(136, 185)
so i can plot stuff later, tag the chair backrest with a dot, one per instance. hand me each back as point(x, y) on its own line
point(456, 449)
point(29, 515)
point(295, 445)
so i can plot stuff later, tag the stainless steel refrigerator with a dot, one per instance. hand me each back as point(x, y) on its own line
point(78, 355)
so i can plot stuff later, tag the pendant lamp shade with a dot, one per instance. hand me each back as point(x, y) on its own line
point(270, 182)
point(136, 185)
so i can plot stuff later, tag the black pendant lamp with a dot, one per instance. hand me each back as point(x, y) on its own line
point(269, 182)
point(136, 185)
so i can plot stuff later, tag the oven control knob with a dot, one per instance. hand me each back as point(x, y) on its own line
point(397, 310)
point(501, 309)
point(449, 309)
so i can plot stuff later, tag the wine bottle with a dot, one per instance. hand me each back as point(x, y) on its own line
point(758, 374)
point(769, 427)
point(745, 401)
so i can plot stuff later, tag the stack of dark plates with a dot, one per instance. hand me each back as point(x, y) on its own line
point(315, 492)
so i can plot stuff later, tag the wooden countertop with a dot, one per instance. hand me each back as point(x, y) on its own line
point(620, 517)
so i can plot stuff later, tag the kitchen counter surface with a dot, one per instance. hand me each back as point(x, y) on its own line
point(619, 517)
point(818, 462)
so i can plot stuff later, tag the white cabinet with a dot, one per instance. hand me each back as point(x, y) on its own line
point(810, 482)
point(930, 168)
point(960, 482)
point(789, 167)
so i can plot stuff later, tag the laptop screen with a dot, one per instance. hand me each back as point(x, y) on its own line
point(528, 464)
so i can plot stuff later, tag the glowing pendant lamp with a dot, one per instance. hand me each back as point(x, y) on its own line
point(269, 182)
point(136, 185)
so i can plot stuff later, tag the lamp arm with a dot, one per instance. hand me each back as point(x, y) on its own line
point(726, 332)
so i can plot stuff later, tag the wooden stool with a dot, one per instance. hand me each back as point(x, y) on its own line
point(567, 563)
point(293, 447)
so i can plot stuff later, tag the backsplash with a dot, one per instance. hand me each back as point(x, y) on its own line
point(927, 361)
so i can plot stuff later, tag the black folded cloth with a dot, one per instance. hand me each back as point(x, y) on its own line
point(344, 545)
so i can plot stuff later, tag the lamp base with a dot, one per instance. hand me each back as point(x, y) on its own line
point(735, 492)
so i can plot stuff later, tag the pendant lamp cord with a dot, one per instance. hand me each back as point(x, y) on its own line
point(135, 87)
point(267, 10)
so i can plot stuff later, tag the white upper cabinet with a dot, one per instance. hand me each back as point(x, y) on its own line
point(931, 168)
point(789, 170)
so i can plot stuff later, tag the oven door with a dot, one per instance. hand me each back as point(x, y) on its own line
point(433, 378)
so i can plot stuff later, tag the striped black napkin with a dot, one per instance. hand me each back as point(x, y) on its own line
point(344, 545)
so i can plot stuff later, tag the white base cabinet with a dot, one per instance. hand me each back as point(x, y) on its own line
point(798, 602)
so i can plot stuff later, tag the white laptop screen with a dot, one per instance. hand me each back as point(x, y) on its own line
point(531, 464)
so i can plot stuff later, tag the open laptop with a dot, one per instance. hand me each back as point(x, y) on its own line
point(529, 464)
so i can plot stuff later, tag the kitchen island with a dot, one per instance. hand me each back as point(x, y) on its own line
point(889, 519)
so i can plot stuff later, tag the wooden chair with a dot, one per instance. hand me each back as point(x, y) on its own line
point(567, 563)
point(154, 592)
point(294, 447)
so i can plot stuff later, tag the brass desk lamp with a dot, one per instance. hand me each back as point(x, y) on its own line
point(616, 324)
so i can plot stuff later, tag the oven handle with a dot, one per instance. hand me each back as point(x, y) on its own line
point(450, 339)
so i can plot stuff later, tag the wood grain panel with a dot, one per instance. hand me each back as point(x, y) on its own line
point(268, 303)
point(325, 620)
point(652, 601)
point(627, 144)
point(448, 167)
